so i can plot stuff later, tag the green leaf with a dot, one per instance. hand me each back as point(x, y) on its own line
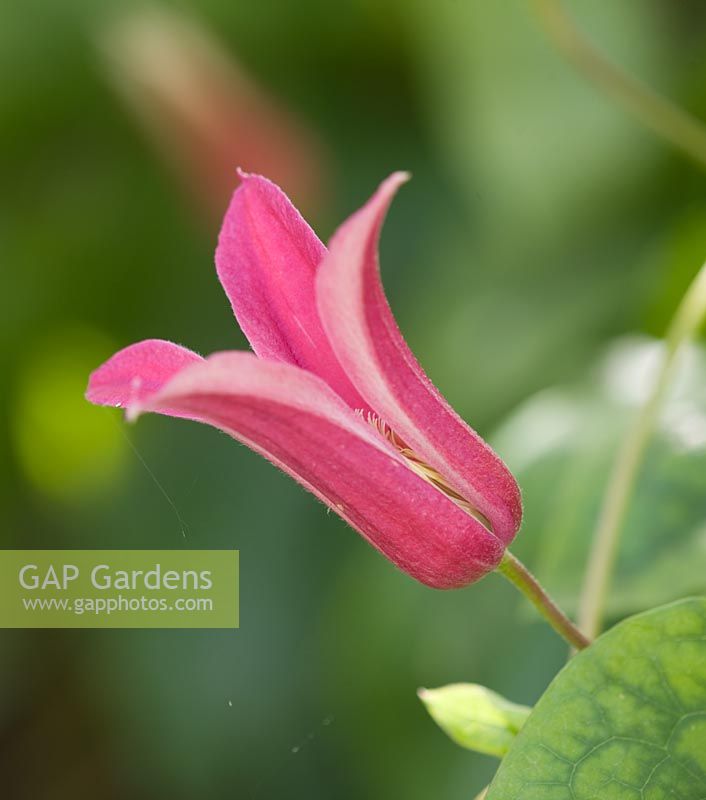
point(561, 445)
point(475, 717)
point(624, 720)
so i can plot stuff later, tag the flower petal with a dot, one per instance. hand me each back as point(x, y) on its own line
point(296, 421)
point(267, 259)
point(365, 337)
point(137, 371)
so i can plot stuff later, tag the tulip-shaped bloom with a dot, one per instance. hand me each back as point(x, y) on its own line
point(332, 394)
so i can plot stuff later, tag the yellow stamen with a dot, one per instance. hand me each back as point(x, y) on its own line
point(424, 470)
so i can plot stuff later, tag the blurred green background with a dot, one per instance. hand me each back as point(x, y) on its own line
point(542, 226)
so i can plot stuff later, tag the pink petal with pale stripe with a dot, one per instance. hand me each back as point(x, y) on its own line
point(267, 259)
point(296, 421)
point(365, 337)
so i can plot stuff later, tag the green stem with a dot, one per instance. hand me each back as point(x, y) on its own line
point(685, 323)
point(518, 574)
point(656, 112)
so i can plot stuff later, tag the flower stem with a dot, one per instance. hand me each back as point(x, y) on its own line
point(656, 112)
point(685, 323)
point(518, 574)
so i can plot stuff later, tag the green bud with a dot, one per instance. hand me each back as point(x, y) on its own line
point(475, 717)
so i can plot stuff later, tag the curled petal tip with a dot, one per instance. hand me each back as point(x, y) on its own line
point(246, 176)
point(137, 372)
point(388, 188)
point(399, 177)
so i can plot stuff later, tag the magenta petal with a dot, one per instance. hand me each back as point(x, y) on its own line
point(369, 345)
point(296, 421)
point(267, 259)
point(137, 371)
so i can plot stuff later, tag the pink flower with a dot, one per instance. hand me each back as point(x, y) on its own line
point(333, 395)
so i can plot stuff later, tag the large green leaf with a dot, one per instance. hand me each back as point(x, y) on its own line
point(624, 720)
point(561, 445)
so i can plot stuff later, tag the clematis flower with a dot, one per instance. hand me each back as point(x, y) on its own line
point(332, 394)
